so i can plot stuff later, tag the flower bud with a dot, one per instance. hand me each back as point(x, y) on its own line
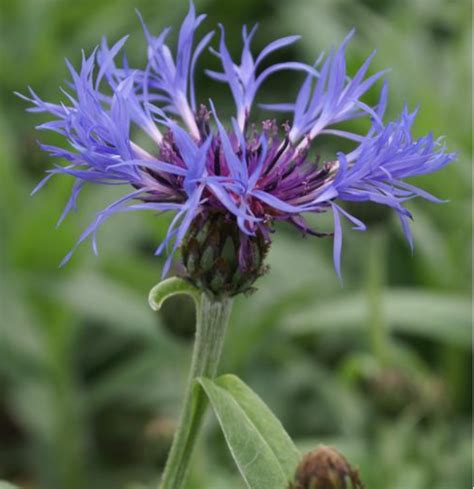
point(325, 468)
point(221, 260)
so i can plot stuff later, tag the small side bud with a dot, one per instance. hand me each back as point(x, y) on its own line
point(325, 468)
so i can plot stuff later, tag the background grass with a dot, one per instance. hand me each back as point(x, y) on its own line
point(91, 379)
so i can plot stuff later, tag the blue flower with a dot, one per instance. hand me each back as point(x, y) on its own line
point(172, 80)
point(376, 169)
point(251, 175)
point(243, 79)
point(329, 97)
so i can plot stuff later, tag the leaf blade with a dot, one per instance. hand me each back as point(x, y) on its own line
point(407, 310)
point(264, 420)
point(256, 439)
point(170, 287)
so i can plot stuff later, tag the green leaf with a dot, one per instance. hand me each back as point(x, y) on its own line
point(93, 296)
point(169, 287)
point(442, 317)
point(264, 453)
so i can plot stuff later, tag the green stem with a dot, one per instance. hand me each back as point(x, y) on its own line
point(379, 335)
point(211, 323)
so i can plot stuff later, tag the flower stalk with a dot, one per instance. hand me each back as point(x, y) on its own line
point(212, 317)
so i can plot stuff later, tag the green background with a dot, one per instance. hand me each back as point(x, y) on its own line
point(91, 380)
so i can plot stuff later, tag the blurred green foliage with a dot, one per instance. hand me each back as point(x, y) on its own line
point(91, 379)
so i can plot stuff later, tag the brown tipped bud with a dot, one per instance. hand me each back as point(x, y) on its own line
point(325, 468)
point(392, 389)
point(219, 259)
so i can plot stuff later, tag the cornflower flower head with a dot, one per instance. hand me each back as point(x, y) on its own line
point(227, 184)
